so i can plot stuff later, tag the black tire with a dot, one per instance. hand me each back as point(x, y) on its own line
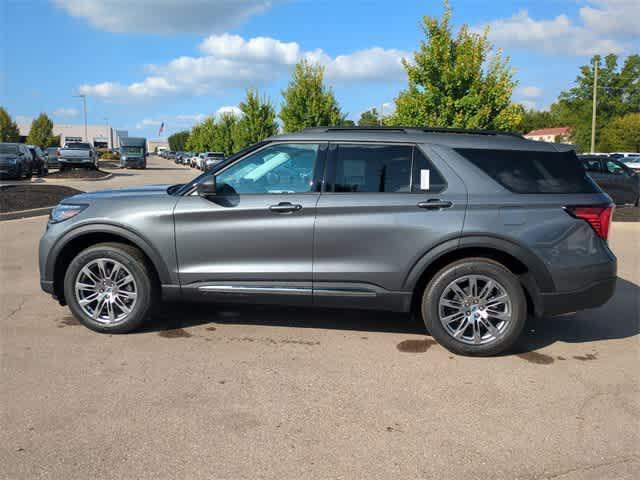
point(29, 173)
point(474, 266)
point(136, 263)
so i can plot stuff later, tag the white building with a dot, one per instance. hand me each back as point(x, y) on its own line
point(100, 136)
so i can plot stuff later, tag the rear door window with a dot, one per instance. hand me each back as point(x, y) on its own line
point(525, 171)
point(368, 168)
point(592, 165)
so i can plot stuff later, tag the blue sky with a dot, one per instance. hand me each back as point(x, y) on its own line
point(142, 62)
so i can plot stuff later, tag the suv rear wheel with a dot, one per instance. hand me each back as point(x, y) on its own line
point(475, 306)
point(108, 287)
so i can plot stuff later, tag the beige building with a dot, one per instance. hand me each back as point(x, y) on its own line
point(100, 136)
point(152, 145)
point(556, 134)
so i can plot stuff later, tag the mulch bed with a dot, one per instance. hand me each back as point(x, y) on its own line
point(25, 197)
point(626, 214)
point(78, 173)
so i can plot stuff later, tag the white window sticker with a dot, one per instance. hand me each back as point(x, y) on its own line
point(424, 179)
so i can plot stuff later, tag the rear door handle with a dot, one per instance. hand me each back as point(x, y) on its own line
point(285, 207)
point(435, 204)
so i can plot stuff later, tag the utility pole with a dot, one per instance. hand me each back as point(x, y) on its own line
point(381, 114)
point(109, 140)
point(595, 101)
point(84, 107)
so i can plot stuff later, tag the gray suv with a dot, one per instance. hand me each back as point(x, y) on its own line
point(470, 230)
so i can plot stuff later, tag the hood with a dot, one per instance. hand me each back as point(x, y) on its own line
point(119, 193)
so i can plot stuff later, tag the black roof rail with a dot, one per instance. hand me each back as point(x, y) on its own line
point(375, 128)
point(469, 131)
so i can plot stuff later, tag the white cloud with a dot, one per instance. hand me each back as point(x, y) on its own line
point(556, 36)
point(529, 91)
point(190, 119)
point(164, 16)
point(615, 17)
point(66, 112)
point(229, 109)
point(230, 61)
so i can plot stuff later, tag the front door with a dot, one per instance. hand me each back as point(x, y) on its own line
point(255, 236)
point(385, 206)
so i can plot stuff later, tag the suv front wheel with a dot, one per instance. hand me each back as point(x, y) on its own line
point(475, 306)
point(109, 287)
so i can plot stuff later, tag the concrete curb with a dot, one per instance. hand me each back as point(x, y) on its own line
point(19, 214)
point(106, 177)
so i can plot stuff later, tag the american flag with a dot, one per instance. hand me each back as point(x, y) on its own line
point(161, 129)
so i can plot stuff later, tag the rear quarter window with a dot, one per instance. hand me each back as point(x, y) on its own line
point(525, 171)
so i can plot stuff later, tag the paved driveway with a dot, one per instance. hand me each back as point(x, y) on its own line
point(214, 391)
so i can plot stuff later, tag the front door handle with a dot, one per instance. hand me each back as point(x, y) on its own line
point(435, 204)
point(285, 207)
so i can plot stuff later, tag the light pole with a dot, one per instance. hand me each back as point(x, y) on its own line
point(106, 124)
point(595, 103)
point(84, 107)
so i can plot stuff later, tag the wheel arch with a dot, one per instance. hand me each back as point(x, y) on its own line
point(83, 237)
point(531, 271)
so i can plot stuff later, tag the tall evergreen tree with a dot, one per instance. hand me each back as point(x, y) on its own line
point(9, 131)
point(307, 101)
point(41, 131)
point(258, 119)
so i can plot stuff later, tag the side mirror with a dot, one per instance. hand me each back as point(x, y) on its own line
point(207, 188)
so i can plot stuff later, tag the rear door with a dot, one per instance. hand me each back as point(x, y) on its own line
point(383, 207)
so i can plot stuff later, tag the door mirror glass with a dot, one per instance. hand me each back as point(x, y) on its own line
point(207, 187)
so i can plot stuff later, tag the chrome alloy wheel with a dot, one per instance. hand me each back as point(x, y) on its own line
point(475, 309)
point(106, 291)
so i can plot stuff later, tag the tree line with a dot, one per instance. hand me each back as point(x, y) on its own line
point(455, 79)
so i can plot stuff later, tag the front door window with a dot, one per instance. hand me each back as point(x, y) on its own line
point(276, 169)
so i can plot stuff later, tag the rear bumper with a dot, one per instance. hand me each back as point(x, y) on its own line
point(595, 295)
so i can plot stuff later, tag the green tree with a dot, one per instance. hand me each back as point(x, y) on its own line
point(347, 123)
point(258, 119)
point(618, 93)
point(307, 101)
point(41, 131)
point(178, 140)
point(622, 134)
point(9, 131)
point(456, 81)
point(227, 134)
point(369, 118)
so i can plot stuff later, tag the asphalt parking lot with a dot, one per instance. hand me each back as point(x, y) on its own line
point(213, 391)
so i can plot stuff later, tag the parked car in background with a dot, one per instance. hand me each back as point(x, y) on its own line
point(52, 157)
point(193, 159)
point(620, 155)
point(471, 231)
point(170, 155)
point(633, 163)
point(133, 152)
point(16, 161)
point(614, 177)
point(39, 162)
point(78, 154)
point(212, 159)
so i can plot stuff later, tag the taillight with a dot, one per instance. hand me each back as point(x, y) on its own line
point(598, 217)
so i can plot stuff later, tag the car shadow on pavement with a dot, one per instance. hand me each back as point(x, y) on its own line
point(618, 318)
point(185, 315)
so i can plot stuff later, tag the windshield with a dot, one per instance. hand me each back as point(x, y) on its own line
point(187, 187)
point(4, 148)
point(77, 146)
point(131, 149)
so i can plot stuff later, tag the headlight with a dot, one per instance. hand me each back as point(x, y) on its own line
point(64, 212)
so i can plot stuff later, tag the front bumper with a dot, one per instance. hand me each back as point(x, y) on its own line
point(9, 170)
